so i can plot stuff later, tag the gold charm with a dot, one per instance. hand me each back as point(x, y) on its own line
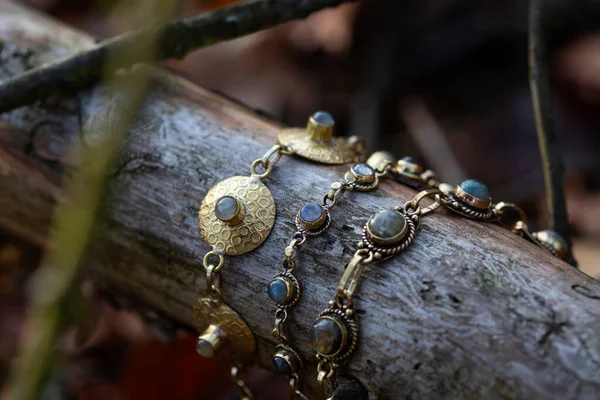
point(317, 143)
point(237, 215)
point(224, 331)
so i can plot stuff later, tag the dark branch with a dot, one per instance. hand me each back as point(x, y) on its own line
point(176, 40)
point(550, 151)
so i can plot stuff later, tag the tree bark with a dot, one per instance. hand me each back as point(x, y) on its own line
point(469, 311)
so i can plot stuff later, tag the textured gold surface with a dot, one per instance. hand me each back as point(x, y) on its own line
point(337, 151)
point(256, 225)
point(240, 344)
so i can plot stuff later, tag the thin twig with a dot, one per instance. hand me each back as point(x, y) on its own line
point(54, 283)
point(550, 151)
point(176, 40)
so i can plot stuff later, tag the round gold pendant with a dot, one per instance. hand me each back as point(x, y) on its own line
point(223, 332)
point(237, 215)
point(316, 141)
point(336, 151)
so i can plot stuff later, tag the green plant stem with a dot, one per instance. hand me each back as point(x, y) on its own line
point(175, 40)
point(552, 160)
point(54, 283)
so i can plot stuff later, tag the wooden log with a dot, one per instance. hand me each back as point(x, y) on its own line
point(469, 311)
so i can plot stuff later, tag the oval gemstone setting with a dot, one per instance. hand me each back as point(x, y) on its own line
point(328, 335)
point(473, 193)
point(476, 189)
point(363, 173)
point(281, 365)
point(229, 209)
point(387, 227)
point(280, 290)
point(312, 216)
point(323, 118)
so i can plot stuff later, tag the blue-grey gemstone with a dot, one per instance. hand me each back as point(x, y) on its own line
point(475, 189)
point(227, 208)
point(387, 224)
point(311, 212)
point(278, 290)
point(323, 118)
point(326, 336)
point(281, 365)
point(363, 170)
point(204, 348)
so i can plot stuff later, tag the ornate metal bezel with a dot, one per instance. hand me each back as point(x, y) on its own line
point(280, 348)
point(346, 316)
point(296, 290)
point(240, 341)
point(382, 252)
point(455, 204)
point(316, 232)
point(258, 220)
point(361, 186)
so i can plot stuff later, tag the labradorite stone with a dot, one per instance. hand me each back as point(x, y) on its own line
point(326, 336)
point(204, 348)
point(475, 189)
point(363, 170)
point(323, 118)
point(311, 212)
point(277, 290)
point(281, 365)
point(227, 208)
point(410, 160)
point(387, 224)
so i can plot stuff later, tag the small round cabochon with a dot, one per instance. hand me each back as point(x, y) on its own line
point(323, 118)
point(279, 290)
point(311, 212)
point(327, 335)
point(258, 220)
point(387, 226)
point(227, 208)
point(475, 189)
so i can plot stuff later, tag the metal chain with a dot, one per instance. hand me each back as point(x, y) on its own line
point(325, 371)
point(213, 276)
point(335, 193)
point(269, 160)
point(280, 331)
point(295, 391)
point(242, 387)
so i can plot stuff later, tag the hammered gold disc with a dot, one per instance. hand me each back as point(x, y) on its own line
point(337, 151)
point(258, 220)
point(240, 344)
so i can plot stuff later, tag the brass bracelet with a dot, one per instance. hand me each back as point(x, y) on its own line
point(471, 199)
point(284, 289)
point(236, 216)
point(335, 332)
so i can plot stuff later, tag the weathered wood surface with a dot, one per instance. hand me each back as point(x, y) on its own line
point(469, 311)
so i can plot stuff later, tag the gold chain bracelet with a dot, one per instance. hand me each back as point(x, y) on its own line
point(236, 216)
point(312, 220)
point(335, 332)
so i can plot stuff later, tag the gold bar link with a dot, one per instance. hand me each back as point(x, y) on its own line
point(352, 274)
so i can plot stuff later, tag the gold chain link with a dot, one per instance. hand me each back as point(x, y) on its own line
point(325, 372)
point(268, 161)
point(213, 277)
point(242, 387)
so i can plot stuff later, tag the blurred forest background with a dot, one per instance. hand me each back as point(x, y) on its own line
point(444, 81)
